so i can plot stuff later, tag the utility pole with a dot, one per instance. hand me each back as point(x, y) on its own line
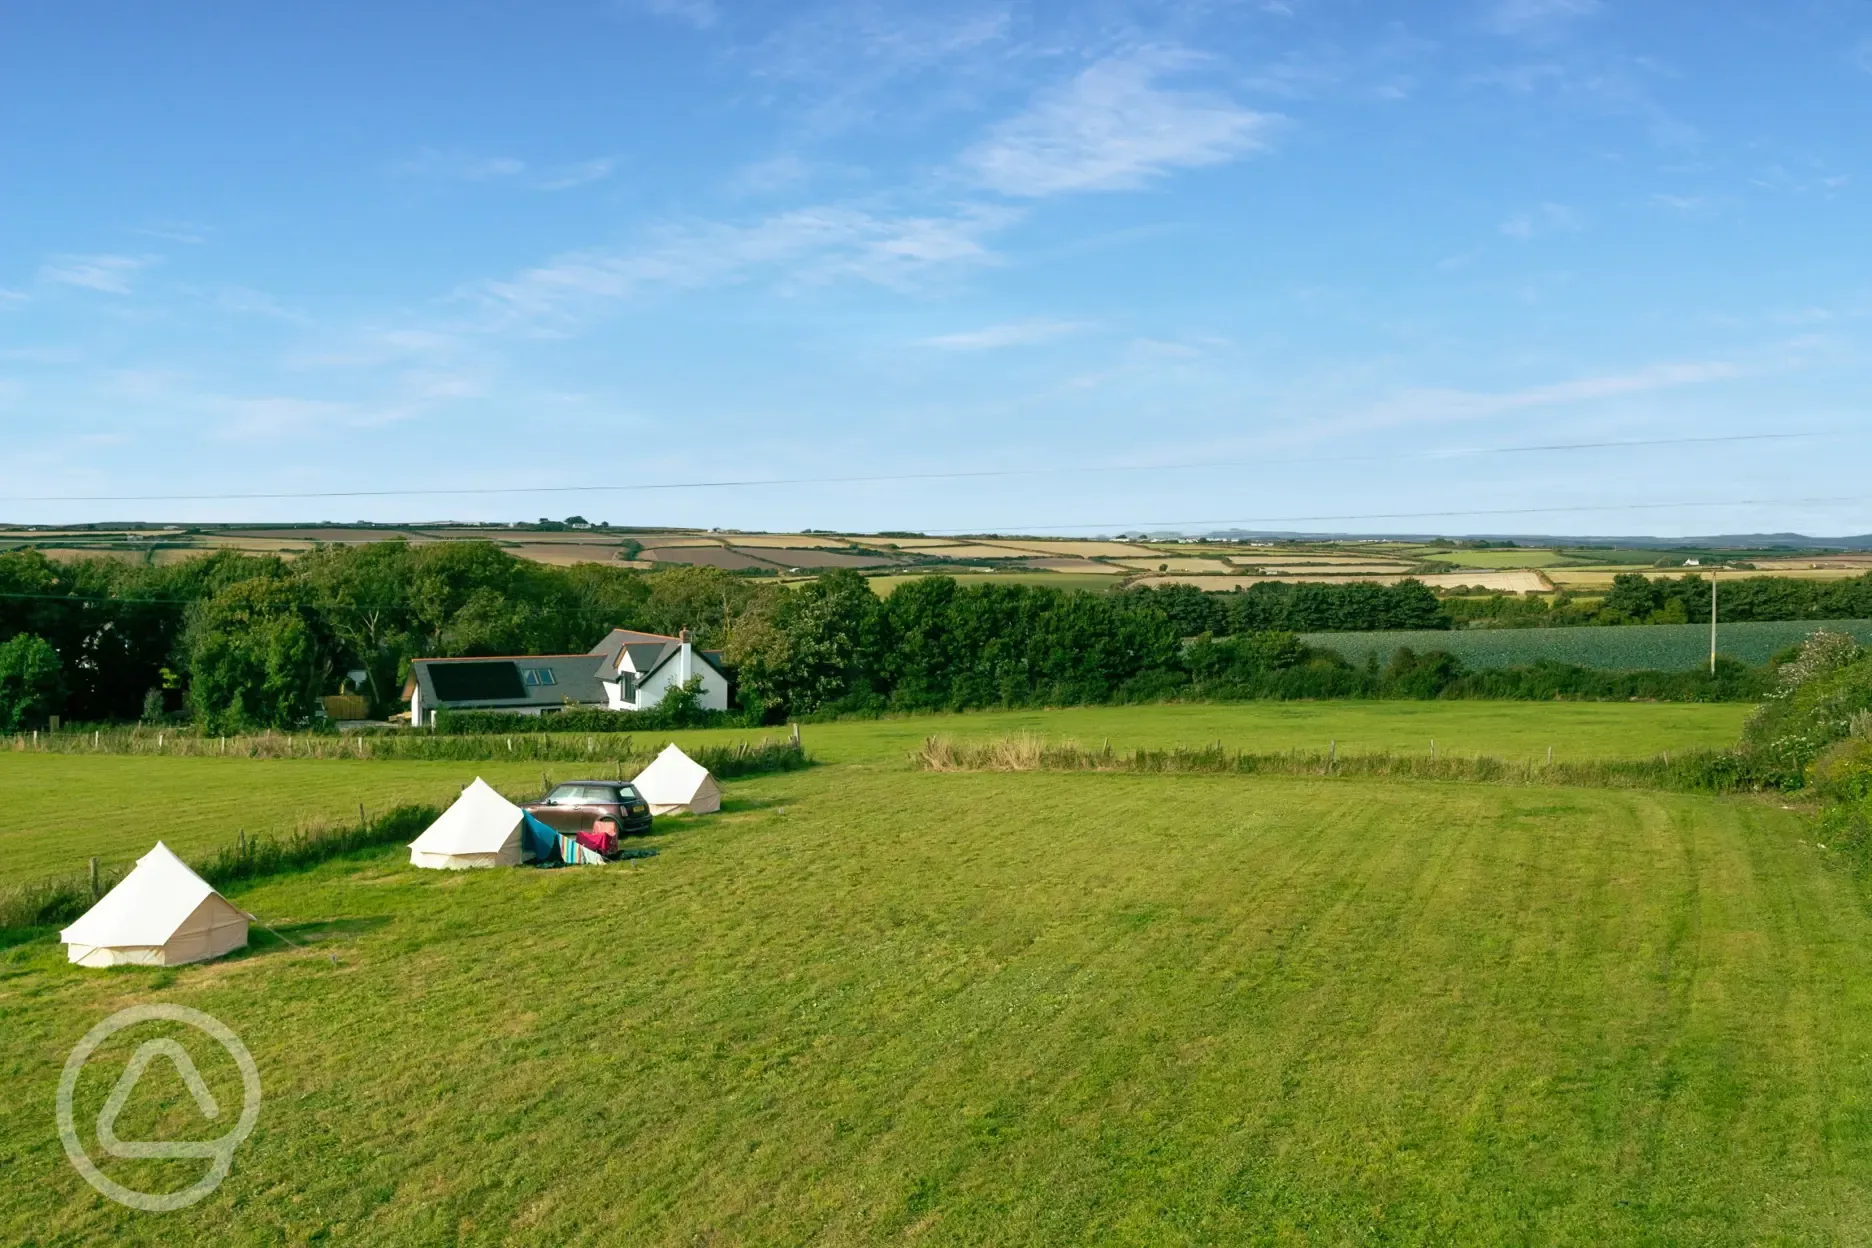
point(1712, 621)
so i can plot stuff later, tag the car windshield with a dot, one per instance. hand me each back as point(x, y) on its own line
point(583, 795)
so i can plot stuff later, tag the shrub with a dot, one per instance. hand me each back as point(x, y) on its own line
point(1814, 702)
point(29, 681)
point(678, 709)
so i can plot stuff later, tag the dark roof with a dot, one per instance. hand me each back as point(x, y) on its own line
point(648, 651)
point(618, 638)
point(497, 683)
point(647, 656)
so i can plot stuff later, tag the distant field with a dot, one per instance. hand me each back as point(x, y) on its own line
point(1638, 647)
point(1499, 558)
point(196, 804)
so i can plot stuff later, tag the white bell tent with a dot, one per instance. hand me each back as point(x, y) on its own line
point(161, 914)
point(481, 829)
point(675, 783)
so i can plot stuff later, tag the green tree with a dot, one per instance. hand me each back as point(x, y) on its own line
point(30, 686)
point(811, 650)
point(253, 658)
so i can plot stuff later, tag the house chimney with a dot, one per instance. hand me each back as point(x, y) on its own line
point(685, 662)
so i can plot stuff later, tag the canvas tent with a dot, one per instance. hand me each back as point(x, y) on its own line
point(481, 829)
point(674, 783)
point(161, 914)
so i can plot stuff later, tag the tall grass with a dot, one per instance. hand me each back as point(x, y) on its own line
point(743, 758)
point(45, 903)
point(1697, 771)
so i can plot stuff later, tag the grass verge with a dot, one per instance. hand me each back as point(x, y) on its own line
point(1687, 771)
point(744, 757)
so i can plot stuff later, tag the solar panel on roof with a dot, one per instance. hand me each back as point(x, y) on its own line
point(476, 682)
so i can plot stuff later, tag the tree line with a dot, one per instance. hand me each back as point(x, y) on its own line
point(234, 641)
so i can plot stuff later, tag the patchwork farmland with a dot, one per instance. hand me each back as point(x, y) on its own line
point(1213, 564)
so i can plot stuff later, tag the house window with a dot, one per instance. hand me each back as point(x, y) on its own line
point(537, 676)
point(627, 682)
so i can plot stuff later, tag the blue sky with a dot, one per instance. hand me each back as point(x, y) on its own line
point(1327, 253)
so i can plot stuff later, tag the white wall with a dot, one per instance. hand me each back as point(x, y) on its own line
point(650, 691)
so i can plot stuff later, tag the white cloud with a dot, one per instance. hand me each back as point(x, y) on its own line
point(836, 66)
point(1435, 406)
point(245, 301)
point(1013, 334)
point(109, 274)
point(457, 166)
point(1680, 203)
point(273, 417)
point(177, 232)
point(1517, 17)
point(811, 245)
point(12, 298)
point(1546, 219)
point(1114, 128)
point(764, 177)
point(581, 174)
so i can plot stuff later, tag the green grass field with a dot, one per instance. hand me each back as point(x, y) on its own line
point(868, 1004)
point(1656, 647)
point(994, 1009)
point(59, 810)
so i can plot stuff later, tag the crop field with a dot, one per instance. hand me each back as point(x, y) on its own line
point(1658, 647)
point(870, 1005)
point(1499, 558)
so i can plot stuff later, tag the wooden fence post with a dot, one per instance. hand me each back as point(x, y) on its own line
point(94, 879)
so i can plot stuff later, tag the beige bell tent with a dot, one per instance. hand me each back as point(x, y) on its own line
point(161, 914)
point(482, 829)
point(675, 783)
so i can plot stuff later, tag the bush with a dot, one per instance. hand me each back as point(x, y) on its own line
point(1815, 702)
point(678, 709)
point(29, 681)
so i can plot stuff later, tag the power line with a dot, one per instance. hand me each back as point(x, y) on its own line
point(882, 478)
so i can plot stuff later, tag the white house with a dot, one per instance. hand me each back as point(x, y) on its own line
point(639, 668)
point(627, 671)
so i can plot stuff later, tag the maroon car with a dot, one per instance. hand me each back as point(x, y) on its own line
point(593, 806)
